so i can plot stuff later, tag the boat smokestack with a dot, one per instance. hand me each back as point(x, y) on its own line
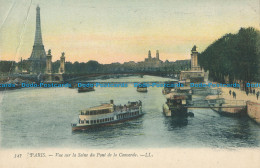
point(111, 101)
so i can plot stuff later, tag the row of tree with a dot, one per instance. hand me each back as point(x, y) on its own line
point(95, 67)
point(235, 56)
point(7, 66)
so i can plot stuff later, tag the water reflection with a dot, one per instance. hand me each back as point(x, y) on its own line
point(241, 129)
point(172, 123)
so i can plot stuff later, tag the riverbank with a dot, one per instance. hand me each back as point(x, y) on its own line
point(252, 103)
point(240, 95)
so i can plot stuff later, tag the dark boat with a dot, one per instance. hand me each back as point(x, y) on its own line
point(141, 87)
point(85, 89)
point(177, 105)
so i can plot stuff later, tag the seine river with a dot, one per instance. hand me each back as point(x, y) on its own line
point(42, 117)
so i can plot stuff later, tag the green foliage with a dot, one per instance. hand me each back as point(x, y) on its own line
point(55, 66)
point(77, 68)
point(233, 55)
point(7, 66)
point(24, 65)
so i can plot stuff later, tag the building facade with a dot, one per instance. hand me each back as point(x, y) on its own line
point(151, 63)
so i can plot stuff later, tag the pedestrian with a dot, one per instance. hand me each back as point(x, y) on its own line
point(257, 95)
point(254, 91)
point(233, 94)
point(230, 92)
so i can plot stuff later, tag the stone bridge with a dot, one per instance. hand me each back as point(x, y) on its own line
point(56, 77)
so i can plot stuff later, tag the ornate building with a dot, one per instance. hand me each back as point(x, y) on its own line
point(155, 60)
point(152, 62)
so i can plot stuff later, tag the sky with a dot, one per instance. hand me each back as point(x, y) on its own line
point(121, 30)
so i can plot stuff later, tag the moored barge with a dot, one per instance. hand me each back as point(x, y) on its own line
point(234, 108)
point(176, 105)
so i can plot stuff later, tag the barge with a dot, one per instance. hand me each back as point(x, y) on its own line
point(235, 108)
point(177, 105)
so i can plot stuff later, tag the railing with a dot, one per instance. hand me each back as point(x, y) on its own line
point(217, 103)
point(235, 102)
point(127, 110)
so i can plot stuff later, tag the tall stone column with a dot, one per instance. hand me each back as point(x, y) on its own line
point(49, 63)
point(194, 59)
point(62, 63)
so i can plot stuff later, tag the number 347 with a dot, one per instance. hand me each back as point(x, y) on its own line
point(17, 155)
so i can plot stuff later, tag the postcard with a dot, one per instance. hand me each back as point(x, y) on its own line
point(133, 83)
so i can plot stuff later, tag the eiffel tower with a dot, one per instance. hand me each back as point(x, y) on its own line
point(38, 56)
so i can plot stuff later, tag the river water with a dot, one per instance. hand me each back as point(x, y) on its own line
point(42, 117)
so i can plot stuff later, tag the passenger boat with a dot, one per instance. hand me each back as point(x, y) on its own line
point(107, 114)
point(141, 87)
point(85, 89)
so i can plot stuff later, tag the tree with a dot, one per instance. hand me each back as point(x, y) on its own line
point(233, 55)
